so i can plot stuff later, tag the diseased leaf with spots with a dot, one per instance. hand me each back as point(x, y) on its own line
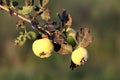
point(83, 37)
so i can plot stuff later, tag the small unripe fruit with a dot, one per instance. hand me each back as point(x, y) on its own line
point(71, 33)
point(42, 48)
point(79, 56)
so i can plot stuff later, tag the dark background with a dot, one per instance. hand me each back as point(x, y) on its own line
point(103, 19)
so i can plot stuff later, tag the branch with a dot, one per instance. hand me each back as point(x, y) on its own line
point(18, 15)
point(23, 18)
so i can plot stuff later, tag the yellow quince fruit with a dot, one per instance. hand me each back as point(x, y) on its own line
point(79, 56)
point(43, 48)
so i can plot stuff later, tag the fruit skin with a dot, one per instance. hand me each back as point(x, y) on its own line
point(79, 56)
point(71, 34)
point(42, 48)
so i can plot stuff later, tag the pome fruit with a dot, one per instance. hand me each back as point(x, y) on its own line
point(79, 56)
point(42, 47)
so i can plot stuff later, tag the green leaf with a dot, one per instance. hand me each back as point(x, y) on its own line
point(22, 41)
point(26, 10)
point(31, 35)
point(71, 41)
point(23, 26)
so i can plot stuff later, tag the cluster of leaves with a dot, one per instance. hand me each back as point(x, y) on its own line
point(23, 36)
point(56, 31)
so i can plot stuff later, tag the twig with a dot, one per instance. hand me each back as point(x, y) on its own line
point(18, 15)
point(23, 18)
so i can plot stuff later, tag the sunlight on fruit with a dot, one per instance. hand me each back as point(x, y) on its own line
point(78, 55)
point(42, 48)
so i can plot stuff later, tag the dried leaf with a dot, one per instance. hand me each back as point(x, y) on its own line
point(45, 15)
point(27, 2)
point(32, 2)
point(36, 8)
point(1, 2)
point(41, 2)
point(7, 2)
point(56, 47)
point(83, 37)
point(58, 37)
point(69, 22)
point(65, 49)
point(11, 11)
point(49, 26)
point(19, 23)
point(14, 3)
point(64, 16)
point(45, 2)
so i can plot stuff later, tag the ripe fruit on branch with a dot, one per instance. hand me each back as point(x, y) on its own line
point(79, 56)
point(58, 36)
point(42, 48)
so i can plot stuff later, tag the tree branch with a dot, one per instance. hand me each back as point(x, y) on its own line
point(23, 18)
point(18, 15)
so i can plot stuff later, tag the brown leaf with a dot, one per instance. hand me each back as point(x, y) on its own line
point(50, 27)
point(45, 2)
point(65, 49)
point(19, 23)
point(27, 2)
point(58, 37)
point(45, 15)
point(83, 37)
point(69, 22)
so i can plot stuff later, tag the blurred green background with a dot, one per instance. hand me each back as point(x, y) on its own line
point(103, 19)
